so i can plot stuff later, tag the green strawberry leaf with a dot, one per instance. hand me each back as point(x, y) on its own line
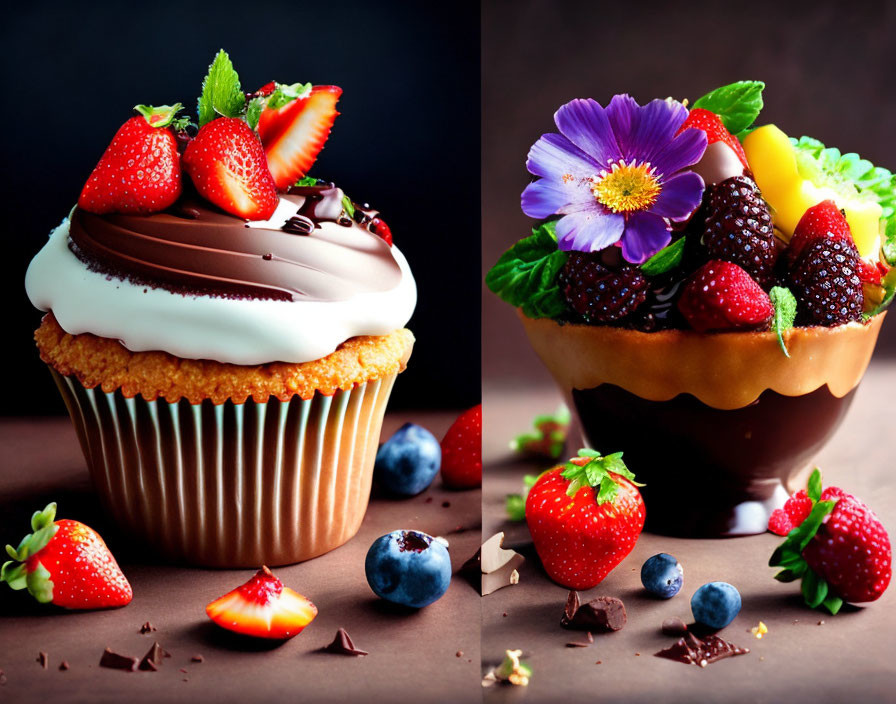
point(738, 104)
point(596, 473)
point(814, 588)
point(40, 586)
point(526, 274)
point(515, 505)
point(253, 111)
point(813, 489)
point(284, 94)
point(221, 91)
point(832, 603)
point(14, 574)
point(785, 313)
point(549, 437)
point(665, 260)
point(162, 116)
point(789, 554)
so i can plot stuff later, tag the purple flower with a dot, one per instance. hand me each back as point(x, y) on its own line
point(616, 174)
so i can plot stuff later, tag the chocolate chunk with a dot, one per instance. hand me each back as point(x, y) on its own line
point(428, 500)
point(589, 640)
point(118, 662)
point(446, 504)
point(342, 645)
point(692, 650)
point(43, 659)
point(153, 658)
point(459, 654)
point(471, 571)
point(569, 611)
point(197, 658)
point(601, 615)
point(63, 665)
point(147, 628)
point(674, 627)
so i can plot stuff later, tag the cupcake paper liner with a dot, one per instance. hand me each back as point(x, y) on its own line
point(232, 485)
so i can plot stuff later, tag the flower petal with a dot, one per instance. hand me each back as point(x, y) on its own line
point(679, 196)
point(589, 230)
point(584, 123)
point(645, 235)
point(546, 196)
point(654, 126)
point(621, 114)
point(553, 156)
point(685, 150)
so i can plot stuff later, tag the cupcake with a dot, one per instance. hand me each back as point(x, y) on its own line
point(706, 293)
point(224, 329)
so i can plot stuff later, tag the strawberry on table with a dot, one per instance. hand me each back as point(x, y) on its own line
point(227, 165)
point(585, 518)
point(140, 170)
point(711, 123)
point(462, 451)
point(722, 296)
point(294, 124)
point(840, 551)
point(66, 563)
point(263, 608)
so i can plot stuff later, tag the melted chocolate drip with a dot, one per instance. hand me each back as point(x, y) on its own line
point(692, 650)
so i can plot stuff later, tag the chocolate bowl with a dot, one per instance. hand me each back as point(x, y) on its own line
point(717, 426)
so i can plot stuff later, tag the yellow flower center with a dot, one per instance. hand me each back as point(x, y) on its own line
point(626, 188)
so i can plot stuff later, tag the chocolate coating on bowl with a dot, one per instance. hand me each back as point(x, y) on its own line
point(197, 249)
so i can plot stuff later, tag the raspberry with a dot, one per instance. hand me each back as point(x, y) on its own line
point(599, 293)
point(798, 507)
point(826, 283)
point(779, 522)
point(739, 228)
point(722, 296)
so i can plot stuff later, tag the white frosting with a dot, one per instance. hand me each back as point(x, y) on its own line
point(239, 331)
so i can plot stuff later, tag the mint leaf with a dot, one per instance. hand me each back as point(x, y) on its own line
point(738, 104)
point(526, 274)
point(221, 92)
point(284, 94)
point(253, 111)
point(665, 260)
point(785, 313)
point(813, 489)
point(515, 505)
point(162, 116)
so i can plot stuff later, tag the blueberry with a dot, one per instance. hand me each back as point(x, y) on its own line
point(715, 604)
point(408, 567)
point(408, 461)
point(662, 575)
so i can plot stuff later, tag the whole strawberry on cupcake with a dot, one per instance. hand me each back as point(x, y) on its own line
point(225, 328)
point(693, 283)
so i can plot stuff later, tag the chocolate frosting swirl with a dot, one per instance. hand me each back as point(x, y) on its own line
point(196, 249)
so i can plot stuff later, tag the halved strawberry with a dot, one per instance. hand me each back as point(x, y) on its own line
point(294, 134)
point(227, 165)
point(263, 608)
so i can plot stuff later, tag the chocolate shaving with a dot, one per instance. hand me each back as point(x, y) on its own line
point(147, 628)
point(63, 665)
point(116, 661)
point(692, 650)
point(674, 627)
point(43, 659)
point(153, 658)
point(342, 645)
point(589, 640)
point(298, 225)
point(569, 611)
point(601, 615)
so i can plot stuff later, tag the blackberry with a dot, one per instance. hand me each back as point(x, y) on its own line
point(598, 292)
point(738, 228)
point(826, 283)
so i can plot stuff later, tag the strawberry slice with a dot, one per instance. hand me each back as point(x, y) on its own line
point(715, 130)
point(263, 608)
point(294, 134)
point(226, 163)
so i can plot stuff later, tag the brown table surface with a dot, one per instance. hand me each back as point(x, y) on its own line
point(851, 657)
point(413, 654)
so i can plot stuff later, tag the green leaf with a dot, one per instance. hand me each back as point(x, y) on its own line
point(785, 313)
point(306, 181)
point(221, 91)
point(813, 489)
point(253, 111)
point(515, 505)
point(665, 260)
point(162, 116)
point(285, 94)
point(789, 575)
point(40, 586)
point(738, 104)
point(588, 452)
point(596, 473)
point(348, 206)
point(814, 588)
point(789, 554)
point(832, 603)
point(526, 274)
point(889, 242)
point(14, 574)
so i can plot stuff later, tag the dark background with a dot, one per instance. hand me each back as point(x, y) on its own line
point(828, 69)
point(407, 141)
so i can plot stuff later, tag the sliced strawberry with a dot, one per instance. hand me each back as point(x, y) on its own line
point(294, 134)
point(140, 170)
point(462, 451)
point(263, 608)
point(715, 130)
point(227, 165)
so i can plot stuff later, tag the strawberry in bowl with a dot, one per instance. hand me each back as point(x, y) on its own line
point(693, 285)
point(585, 517)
